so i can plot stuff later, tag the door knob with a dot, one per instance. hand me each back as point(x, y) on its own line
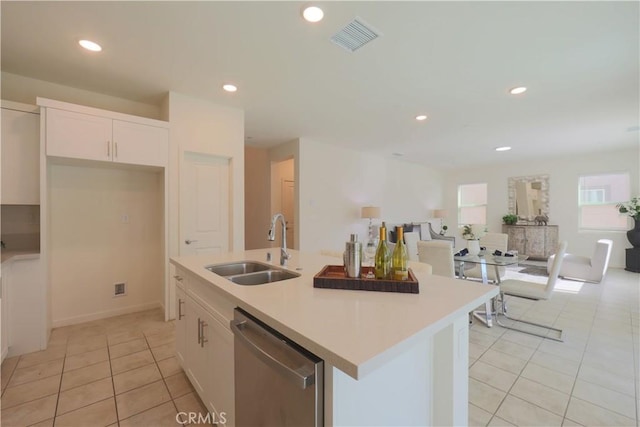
point(188, 241)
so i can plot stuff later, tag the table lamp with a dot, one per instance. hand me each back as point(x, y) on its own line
point(370, 212)
point(440, 214)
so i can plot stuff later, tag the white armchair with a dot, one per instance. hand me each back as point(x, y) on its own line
point(584, 268)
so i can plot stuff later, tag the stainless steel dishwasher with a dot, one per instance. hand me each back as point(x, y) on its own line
point(277, 382)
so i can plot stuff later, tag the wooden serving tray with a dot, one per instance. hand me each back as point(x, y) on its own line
point(333, 277)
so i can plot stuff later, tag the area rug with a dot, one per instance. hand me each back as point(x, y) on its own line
point(534, 270)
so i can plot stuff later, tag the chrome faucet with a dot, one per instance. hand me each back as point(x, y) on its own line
point(284, 255)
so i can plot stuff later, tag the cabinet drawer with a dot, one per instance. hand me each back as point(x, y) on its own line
point(214, 302)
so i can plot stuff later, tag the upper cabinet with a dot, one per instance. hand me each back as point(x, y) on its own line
point(20, 154)
point(79, 135)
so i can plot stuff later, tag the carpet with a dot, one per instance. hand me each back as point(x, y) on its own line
point(534, 270)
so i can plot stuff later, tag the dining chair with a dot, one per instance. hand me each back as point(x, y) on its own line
point(411, 241)
point(439, 254)
point(584, 268)
point(533, 291)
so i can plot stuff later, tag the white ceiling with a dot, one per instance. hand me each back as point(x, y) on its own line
point(453, 61)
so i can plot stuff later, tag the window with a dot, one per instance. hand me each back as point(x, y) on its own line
point(597, 199)
point(472, 204)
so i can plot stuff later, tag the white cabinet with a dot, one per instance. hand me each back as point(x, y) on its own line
point(181, 328)
point(221, 372)
point(20, 155)
point(204, 346)
point(138, 144)
point(196, 348)
point(4, 306)
point(84, 136)
point(23, 311)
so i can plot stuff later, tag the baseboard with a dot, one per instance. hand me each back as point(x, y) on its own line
point(105, 314)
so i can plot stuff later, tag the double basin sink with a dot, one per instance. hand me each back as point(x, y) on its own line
point(251, 272)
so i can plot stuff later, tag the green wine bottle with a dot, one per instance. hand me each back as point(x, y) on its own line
point(399, 257)
point(382, 265)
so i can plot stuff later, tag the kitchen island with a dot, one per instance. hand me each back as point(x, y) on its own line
point(390, 358)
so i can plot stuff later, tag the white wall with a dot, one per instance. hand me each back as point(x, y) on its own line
point(200, 126)
point(91, 248)
point(257, 197)
point(335, 182)
point(24, 89)
point(563, 174)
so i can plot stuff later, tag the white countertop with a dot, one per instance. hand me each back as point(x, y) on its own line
point(355, 331)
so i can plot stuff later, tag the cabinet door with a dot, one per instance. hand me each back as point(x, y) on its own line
point(79, 136)
point(535, 242)
point(139, 144)
point(20, 157)
point(181, 326)
point(196, 356)
point(221, 375)
point(516, 239)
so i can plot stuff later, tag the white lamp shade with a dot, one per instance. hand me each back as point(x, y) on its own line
point(370, 212)
point(439, 213)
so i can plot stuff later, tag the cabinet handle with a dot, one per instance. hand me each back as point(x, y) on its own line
point(108, 149)
point(202, 338)
point(180, 315)
point(178, 278)
point(199, 331)
point(116, 150)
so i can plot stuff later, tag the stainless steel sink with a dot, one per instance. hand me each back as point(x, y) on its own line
point(263, 277)
point(235, 268)
point(251, 272)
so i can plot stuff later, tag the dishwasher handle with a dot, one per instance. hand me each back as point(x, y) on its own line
point(303, 381)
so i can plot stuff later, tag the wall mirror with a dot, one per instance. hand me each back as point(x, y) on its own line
point(529, 196)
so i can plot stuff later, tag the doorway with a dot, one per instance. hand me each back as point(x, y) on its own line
point(283, 197)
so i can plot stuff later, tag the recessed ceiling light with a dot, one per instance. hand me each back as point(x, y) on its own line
point(503, 148)
point(312, 13)
point(89, 45)
point(421, 117)
point(230, 87)
point(517, 90)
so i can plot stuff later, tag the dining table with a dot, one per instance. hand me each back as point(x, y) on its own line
point(485, 259)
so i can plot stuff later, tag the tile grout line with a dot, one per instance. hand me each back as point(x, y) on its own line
point(113, 386)
point(64, 361)
point(494, 415)
point(173, 401)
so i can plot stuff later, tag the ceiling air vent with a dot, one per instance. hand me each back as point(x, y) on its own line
point(356, 34)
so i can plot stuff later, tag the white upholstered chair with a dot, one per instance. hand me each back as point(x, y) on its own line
point(493, 242)
point(535, 291)
point(438, 253)
point(584, 268)
point(411, 240)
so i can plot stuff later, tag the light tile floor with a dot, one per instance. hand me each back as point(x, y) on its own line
point(122, 371)
point(590, 379)
point(117, 371)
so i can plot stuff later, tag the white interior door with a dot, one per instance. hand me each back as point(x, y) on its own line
point(288, 197)
point(204, 204)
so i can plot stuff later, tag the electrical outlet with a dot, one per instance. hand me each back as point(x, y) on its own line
point(119, 289)
point(124, 218)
